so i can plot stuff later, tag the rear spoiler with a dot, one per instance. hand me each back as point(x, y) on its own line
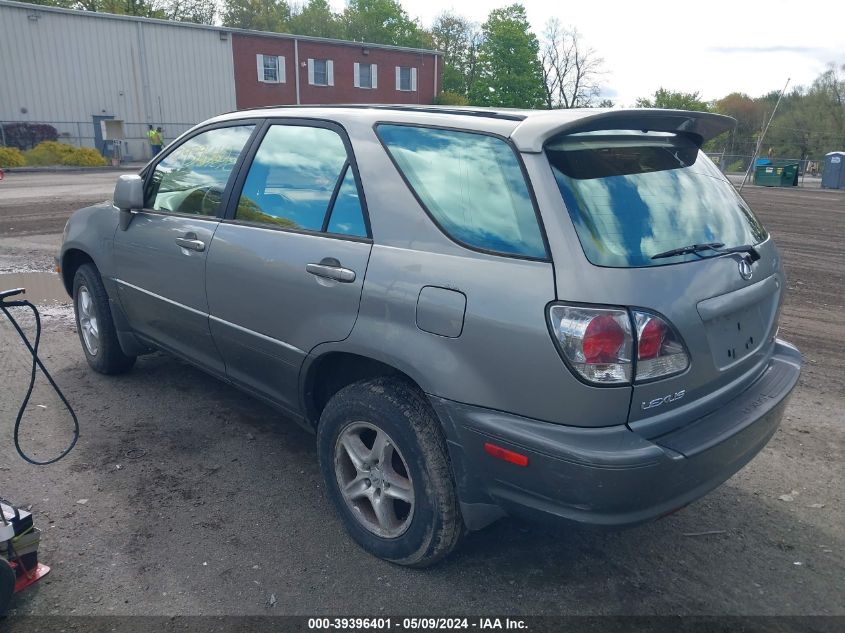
point(532, 133)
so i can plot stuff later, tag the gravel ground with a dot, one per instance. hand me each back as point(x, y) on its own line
point(185, 496)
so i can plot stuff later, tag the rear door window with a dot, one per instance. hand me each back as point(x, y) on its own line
point(632, 195)
point(301, 179)
point(471, 184)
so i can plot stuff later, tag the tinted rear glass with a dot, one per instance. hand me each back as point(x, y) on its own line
point(633, 195)
point(471, 184)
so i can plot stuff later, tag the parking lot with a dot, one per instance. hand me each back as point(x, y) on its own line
point(185, 496)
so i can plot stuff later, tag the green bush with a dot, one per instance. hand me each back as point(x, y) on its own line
point(451, 98)
point(53, 153)
point(48, 153)
point(84, 157)
point(11, 157)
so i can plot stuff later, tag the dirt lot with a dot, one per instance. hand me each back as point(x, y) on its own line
point(186, 497)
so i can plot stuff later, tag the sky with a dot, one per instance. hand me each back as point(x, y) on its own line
point(714, 47)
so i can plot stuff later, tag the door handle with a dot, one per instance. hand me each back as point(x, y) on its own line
point(191, 242)
point(330, 268)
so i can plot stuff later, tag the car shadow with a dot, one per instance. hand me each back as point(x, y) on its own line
point(213, 481)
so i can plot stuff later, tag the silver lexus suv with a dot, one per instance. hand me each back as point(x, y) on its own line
point(566, 314)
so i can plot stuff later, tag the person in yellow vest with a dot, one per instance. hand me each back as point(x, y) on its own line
point(154, 137)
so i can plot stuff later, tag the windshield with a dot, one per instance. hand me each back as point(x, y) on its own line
point(632, 195)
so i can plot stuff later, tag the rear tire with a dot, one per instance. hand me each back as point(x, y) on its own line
point(95, 325)
point(411, 475)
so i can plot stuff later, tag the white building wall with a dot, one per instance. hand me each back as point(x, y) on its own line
point(65, 67)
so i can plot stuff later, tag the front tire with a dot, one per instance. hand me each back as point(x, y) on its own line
point(385, 463)
point(95, 325)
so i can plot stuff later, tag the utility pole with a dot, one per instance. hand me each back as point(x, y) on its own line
point(762, 136)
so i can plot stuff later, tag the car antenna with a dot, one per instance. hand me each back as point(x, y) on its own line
point(762, 136)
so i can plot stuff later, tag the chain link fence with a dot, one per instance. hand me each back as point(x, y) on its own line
point(135, 145)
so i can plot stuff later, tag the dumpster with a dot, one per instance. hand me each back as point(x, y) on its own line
point(776, 174)
point(833, 172)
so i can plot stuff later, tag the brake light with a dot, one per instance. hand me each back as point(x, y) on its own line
point(598, 344)
point(603, 338)
point(660, 351)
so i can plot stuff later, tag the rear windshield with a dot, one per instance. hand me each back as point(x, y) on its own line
point(632, 195)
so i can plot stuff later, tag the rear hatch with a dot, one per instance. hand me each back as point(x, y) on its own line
point(635, 193)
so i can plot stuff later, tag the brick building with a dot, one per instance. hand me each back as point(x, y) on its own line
point(273, 69)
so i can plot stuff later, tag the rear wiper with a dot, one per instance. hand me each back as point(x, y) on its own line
point(692, 248)
point(753, 255)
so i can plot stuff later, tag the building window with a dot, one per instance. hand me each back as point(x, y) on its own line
point(366, 76)
point(271, 69)
point(320, 72)
point(406, 78)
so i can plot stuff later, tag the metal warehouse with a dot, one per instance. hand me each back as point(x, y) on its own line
point(101, 79)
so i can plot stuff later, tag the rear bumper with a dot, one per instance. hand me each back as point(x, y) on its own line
point(609, 475)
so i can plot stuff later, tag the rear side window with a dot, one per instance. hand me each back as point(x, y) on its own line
point(191, 178)
point(632, 195)
point(301, 179)
point(472, 186)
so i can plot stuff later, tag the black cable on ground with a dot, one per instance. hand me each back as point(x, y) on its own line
point(36, 363)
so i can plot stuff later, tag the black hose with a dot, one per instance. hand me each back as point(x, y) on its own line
point(36, 362)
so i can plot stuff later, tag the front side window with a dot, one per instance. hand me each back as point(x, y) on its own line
point(632, 195)
point(471, 184)
point(292, 181)
point(191, 178)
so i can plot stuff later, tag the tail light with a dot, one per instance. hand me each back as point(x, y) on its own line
point(660, 352)
point(596, 342)
point(599, 343)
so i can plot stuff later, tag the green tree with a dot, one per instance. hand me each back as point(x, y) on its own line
point(197, 11)
point(259, 15)
point(510, 73)
point(382, 22)
point(64, 4)
point(316, 19)
point(458, 39)
point(451, 98)
point(810, 121)
point(140, 8)
point(672, 100)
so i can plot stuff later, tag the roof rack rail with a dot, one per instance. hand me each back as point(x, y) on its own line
point(456, 110)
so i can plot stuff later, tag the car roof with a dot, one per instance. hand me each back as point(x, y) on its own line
point(527, 129)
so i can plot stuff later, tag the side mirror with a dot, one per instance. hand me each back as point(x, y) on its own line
point(128, 197)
